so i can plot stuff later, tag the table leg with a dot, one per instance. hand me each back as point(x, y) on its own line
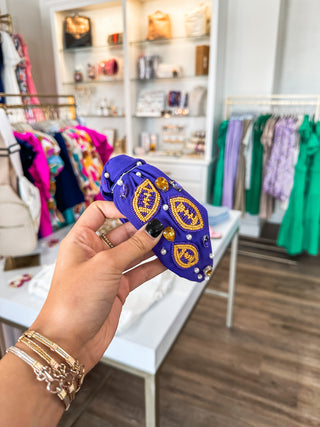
point(2, 342)
point(232, 278)
point(151, 400)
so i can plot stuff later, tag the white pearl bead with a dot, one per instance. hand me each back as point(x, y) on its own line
point(119, 182)
point(139, 163)
point(199, 276)
point(138, 174)
point(163, 251)
point(165, 207)
point(106, 175)
point(211, 256)
point(196, 270)
point(189, 236)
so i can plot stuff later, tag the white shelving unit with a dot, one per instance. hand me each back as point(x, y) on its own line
point(130, 17)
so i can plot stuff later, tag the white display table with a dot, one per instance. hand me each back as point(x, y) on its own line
point(142, 348)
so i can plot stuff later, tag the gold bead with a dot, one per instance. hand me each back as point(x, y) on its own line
point(208, 270)
point(162, 183)
point(169, 234)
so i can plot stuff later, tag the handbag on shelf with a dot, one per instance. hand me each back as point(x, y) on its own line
point(77, 31)
point(159, 26)
point(197, 22)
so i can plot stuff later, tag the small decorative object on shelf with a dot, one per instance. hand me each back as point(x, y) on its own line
point(196, 143)
point(198, 101)
point(115, 38)
point(147, 66)
point(202, 60)
point(108, 67)
point(175, 136)
point(78, 75)
point(91, 71)
point(150, 103)
point(165, 71)
point(159, 26)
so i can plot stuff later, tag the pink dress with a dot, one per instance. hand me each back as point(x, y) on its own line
point(41, 174)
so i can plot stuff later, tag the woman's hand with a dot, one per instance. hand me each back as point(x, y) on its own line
point(88, 289)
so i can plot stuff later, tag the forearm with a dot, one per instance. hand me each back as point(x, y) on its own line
point(25, 401)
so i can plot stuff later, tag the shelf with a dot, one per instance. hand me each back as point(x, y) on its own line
point(183, 158)
point(100, 116)
point(92, 48)
point(205, 37)
point(161, 79)
point(93, 82)
point(170, 117)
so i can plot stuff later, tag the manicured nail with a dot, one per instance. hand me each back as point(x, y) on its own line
point(154, 228)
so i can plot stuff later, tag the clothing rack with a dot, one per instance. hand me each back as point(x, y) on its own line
point(71, 103)
point(7, 20)
point(274, 100)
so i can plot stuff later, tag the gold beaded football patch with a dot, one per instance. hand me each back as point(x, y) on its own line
point(186, 213)
point(185, 255)
point(146, 200)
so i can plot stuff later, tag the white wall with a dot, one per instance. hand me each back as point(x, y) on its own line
point(27, 22)
point(250, 46)
point(300, 63)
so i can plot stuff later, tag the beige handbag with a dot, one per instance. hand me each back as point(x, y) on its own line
point(197, 21)
point(17, 228)
point(159, 26)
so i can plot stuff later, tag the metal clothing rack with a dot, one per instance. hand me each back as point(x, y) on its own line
point(7, 20)
point(70, 102)
point(274, 100)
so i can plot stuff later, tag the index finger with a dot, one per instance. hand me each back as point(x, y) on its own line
point(96, 214)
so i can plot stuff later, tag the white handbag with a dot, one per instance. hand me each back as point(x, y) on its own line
point(197, 22)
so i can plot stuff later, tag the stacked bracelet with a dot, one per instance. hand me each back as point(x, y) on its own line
point(63, 379)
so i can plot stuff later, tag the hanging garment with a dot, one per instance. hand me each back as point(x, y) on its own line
point(292, 227)
point(233, 140)
point(280, 170)
point(218, 182)
point(25, 79)
point(11, 59)
point(253, 195)
point(311, 218)
point(239, 197)
point(247, 152)
point(27, 156)
point(100, 141)
point(68, 193)
point(41, 176)
point(266, 200)
point(2, 99)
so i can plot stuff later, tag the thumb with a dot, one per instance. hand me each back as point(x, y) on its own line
point(138, 245)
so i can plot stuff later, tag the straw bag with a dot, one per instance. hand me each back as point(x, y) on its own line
point(159, 26)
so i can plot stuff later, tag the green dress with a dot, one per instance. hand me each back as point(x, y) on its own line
point(311, 217)
point(218, 182)
point(253, 194)
point(291, 233)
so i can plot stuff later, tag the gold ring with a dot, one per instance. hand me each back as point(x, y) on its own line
point(103, 236)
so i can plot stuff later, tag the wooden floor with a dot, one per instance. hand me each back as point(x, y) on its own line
point(265, 371)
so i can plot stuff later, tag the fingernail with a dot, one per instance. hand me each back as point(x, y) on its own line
point(154, 227)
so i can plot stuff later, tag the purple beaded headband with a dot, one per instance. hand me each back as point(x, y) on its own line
point(142, 192)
